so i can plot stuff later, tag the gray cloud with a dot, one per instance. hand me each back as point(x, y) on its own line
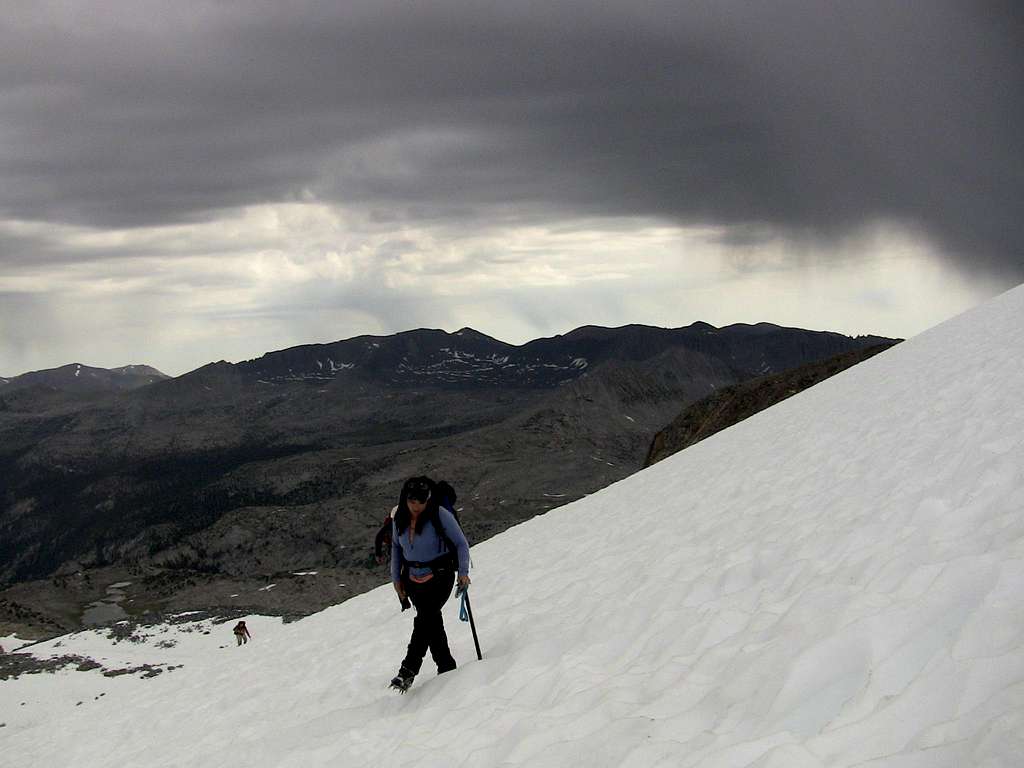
point(795, 117)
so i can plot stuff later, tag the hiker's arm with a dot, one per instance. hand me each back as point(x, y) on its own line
point(458, 538)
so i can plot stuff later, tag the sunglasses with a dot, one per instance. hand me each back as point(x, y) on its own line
point(417, 492)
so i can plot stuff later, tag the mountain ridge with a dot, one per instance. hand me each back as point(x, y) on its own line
point(76, 377)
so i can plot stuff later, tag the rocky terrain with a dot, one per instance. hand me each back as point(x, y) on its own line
point(231, 485)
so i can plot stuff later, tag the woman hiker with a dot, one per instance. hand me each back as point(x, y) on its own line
point(427, 546)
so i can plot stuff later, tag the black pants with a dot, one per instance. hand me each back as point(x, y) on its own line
point(428, 626)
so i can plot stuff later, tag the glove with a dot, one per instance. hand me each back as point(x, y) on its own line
point(406, 605)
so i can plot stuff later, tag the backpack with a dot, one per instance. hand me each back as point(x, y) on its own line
point(446, 498)
point(382, 541)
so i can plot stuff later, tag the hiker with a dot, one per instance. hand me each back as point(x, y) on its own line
point(427, 547)
point(382, 541)
point(242, 633)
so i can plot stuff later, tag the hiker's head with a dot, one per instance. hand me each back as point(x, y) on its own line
point(417, 496)
point(417, 490)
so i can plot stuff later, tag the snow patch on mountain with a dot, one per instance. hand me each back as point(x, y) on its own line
point(11, 643)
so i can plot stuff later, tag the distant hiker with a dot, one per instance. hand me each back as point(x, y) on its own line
point(427, 547)
point(382, 541)
point(242, 633)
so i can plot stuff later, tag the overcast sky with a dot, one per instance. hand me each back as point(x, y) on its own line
point(194, 181)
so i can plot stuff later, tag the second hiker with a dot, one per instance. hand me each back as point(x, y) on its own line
point(427, 547)
point(241, 633)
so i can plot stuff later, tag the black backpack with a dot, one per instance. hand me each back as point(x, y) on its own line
point(446, 497)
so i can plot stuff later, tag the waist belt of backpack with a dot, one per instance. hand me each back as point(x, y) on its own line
point(442, 563)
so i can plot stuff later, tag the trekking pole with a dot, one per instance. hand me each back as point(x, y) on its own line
point(466, 614)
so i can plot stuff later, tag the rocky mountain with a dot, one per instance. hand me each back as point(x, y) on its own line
point(84, 379)
point(474, 360)
point(733, 404)
point(236, 474)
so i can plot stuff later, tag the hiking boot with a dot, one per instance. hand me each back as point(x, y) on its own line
point(403, 679)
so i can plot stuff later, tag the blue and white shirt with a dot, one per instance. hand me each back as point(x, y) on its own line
point(428, 545)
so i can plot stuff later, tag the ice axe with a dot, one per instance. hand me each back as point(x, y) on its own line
point(466, 614)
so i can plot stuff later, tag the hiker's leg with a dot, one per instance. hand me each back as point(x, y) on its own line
point(421, 626)
point(439, 650)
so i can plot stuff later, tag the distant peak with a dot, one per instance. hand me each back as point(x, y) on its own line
point(138, 370)
point(219, 365)
point(586, 331)
point(756, 328)
point(467, 331)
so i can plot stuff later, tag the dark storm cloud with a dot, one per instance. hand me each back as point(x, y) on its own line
point(795, 117)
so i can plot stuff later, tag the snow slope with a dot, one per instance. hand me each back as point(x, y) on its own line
point(12, 642)
point(836, 581)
